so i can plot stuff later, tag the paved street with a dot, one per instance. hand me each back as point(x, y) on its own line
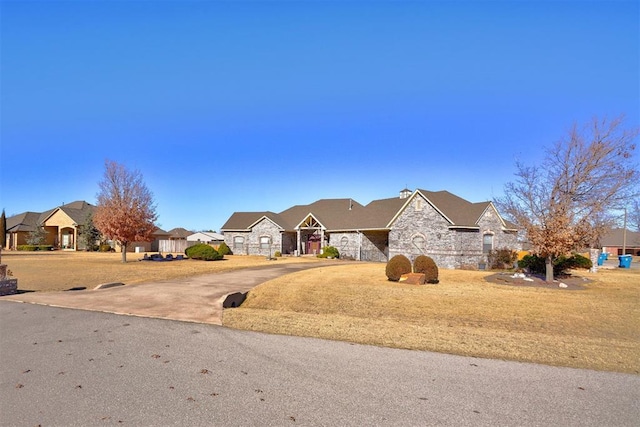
point(66, 367)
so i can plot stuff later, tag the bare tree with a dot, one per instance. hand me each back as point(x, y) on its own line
point(634, 215)
point(126, 211)
point(563, 204)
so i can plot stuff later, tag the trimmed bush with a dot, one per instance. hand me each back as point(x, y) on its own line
point(34, 247)
point(277, 254)
point(203, 252)
point(224, 249)
point(105, 248)
point(427, 266)
point(561, 265)
point(502, 259)
point(397, 266)
point(329, 252)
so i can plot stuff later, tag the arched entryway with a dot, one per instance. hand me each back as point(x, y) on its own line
point(67, 238)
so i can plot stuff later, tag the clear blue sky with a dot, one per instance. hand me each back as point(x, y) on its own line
point(230, 106)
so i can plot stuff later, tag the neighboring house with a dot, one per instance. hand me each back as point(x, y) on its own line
point(453, 231)
point(615, 240)
point(63, 225)
point(209, 237)
point(175, 240)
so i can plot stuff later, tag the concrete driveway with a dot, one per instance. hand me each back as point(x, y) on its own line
point(194, 299)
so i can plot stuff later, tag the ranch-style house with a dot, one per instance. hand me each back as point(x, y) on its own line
point(454, 232)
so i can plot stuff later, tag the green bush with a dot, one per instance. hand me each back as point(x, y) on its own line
point(397, 266)
point(277, 254)
point(35, 247)
point(203, 252)
point(329, 252)
point(502, 259)
point(105, 248)
point(224, 249)
point(561, 265)
point(427, 266)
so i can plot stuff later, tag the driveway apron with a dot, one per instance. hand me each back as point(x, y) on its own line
point(193, 299)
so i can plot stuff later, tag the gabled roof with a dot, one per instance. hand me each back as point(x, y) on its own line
point(348, 215)
point(179, 233)
point(615, 237)
point(77, 211)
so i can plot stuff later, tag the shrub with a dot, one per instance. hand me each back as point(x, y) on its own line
point(35, 247)
point(427, 266)
point(502, 259)
point(561, 265)
point(224, 249)
point(277, 254)
point(203, 252)
point(105, 248)
point(397, 266)
point(329, 252)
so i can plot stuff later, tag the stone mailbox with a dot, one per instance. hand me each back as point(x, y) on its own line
point(8, 286)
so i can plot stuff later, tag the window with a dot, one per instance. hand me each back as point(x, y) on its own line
point(238, 242)
point(487, 243)
point(265, 242)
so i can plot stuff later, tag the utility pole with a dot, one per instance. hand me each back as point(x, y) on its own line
point(624, 233)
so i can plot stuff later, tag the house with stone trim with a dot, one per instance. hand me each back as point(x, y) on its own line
point(453, 231)
point(62, 225)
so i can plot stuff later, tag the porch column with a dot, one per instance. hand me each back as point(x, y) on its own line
point(299, 243)
point(75, 238)
point(321, 239)
point(359, 245)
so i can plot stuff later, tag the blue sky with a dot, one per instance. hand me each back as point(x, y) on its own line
point(230, 106)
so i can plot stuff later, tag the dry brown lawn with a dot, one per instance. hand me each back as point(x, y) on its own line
point(596, 328)
point(59, 270)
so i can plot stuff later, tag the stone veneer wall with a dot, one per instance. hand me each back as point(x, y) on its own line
point(450, 248)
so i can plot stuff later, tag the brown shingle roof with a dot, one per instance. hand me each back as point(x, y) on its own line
point(347, 214)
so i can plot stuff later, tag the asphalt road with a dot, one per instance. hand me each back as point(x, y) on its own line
point(67, 367)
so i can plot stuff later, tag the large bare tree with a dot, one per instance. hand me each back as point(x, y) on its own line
point(125, 211)
point(563, 204)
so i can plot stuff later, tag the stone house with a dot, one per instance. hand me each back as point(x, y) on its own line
point(453, 231)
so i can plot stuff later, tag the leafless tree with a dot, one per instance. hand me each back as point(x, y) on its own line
point(563, 204)
point(125, 211)
point(634, 215)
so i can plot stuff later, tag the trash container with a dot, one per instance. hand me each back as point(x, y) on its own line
point(601, 258)
point(625, 261)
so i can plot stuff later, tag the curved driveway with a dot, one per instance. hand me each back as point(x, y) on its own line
point(194, 299)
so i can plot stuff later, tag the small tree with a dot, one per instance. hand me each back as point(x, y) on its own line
point(90, 234)
point(126, 211)
point(3, 229)
point(36, 236)
point(563, 204)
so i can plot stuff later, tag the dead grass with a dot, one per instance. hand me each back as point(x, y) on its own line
point(59, 270)
point(597, 328)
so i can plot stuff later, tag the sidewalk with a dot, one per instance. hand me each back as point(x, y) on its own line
point(194, 299)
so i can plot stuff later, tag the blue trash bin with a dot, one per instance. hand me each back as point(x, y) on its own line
point(625, 261)
point(601, 258)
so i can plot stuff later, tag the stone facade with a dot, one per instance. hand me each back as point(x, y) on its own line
point(454, 232)
point(421, 230)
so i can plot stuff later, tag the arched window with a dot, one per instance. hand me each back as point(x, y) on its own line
point(344, 242)
point(238, 242)
point(487, 243)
